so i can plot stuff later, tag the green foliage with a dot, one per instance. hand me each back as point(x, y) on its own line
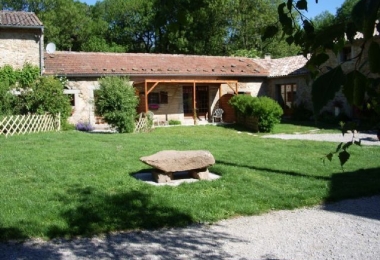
point(242, 104)
point(24, 77)
point(354, 16)
point(323, 20)
point(174, 122)
point(116, 101)
point(325, 87)
point(28, 75)
point(96, 44)
point(206, 27)
point(267, 110)
point(7, 99)
point(45, 95)
point(342, 148)
point(9, 75)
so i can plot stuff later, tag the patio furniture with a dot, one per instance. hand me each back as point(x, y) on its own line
point(218, 114)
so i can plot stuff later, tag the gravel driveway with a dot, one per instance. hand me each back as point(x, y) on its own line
point(348, 229)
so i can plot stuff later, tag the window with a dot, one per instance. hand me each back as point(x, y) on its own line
point(154, 98)
point(158, 98)
point(287, 95)
point(71, 94)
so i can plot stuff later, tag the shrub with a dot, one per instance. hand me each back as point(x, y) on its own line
point(45, 95)
point(174, 122)
point(242, 104)
point(267, 110)
point(116, 101)
point(7, 99)
point(84, 126)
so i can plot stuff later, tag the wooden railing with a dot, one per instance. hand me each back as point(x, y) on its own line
point(25, 124)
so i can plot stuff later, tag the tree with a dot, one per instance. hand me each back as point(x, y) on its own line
point(116, 101)
point(358, 83)
point(344, 12)
point(333, 38)
point(323, 20)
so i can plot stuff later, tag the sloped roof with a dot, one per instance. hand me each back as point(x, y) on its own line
point(288, 66)
point(93, 64)
point(19, 19)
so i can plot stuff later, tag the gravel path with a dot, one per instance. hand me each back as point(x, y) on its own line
point(348, 229)
point(366, 138)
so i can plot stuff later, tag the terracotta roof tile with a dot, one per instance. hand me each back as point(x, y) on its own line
point(14, 19)
point(93, 64)
point(294, 65)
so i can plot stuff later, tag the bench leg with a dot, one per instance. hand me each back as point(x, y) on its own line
point(162, 177)
point(201, 174)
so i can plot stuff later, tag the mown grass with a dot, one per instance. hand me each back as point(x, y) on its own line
point(79, 184)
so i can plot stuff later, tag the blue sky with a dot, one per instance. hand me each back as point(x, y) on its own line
point(314, 9)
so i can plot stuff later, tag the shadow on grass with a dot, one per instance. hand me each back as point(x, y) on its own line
point(95, 212)
point(291, 173)
point(342, 186)
point(7, 233)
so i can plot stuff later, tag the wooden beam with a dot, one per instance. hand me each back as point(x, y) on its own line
point(190, 81)
point(194, 102)
point(234, 87)
point(154, 85)
point(146, 96)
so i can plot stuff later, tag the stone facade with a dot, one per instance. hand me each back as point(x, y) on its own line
point(302, 82)
point(20, 46)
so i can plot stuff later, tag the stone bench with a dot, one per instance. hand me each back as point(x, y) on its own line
point(168, 162)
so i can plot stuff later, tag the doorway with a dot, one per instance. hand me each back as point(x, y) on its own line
point(201, 102)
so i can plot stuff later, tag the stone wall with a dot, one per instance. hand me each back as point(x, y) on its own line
point(83, 91)
point(303, 88)
point(20, 46)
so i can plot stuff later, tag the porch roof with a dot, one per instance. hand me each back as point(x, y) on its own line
point(95, 64)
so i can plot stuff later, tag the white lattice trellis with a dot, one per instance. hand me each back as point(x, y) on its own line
point(24, 124)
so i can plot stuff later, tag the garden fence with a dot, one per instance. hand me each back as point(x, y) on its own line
point(143, 124)
point(24, 124)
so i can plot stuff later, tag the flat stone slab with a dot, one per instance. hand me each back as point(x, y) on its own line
point(170, 161)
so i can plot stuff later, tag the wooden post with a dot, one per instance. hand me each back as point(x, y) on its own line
point(194, 104)
point(146, 96)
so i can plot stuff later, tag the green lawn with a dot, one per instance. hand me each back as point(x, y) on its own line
point(73, 183)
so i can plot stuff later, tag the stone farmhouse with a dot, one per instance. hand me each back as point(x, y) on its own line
point(172, 86)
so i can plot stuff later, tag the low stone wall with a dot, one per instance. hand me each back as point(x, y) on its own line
point(251, 122)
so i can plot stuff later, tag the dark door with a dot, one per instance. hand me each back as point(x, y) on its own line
point(202, 104)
